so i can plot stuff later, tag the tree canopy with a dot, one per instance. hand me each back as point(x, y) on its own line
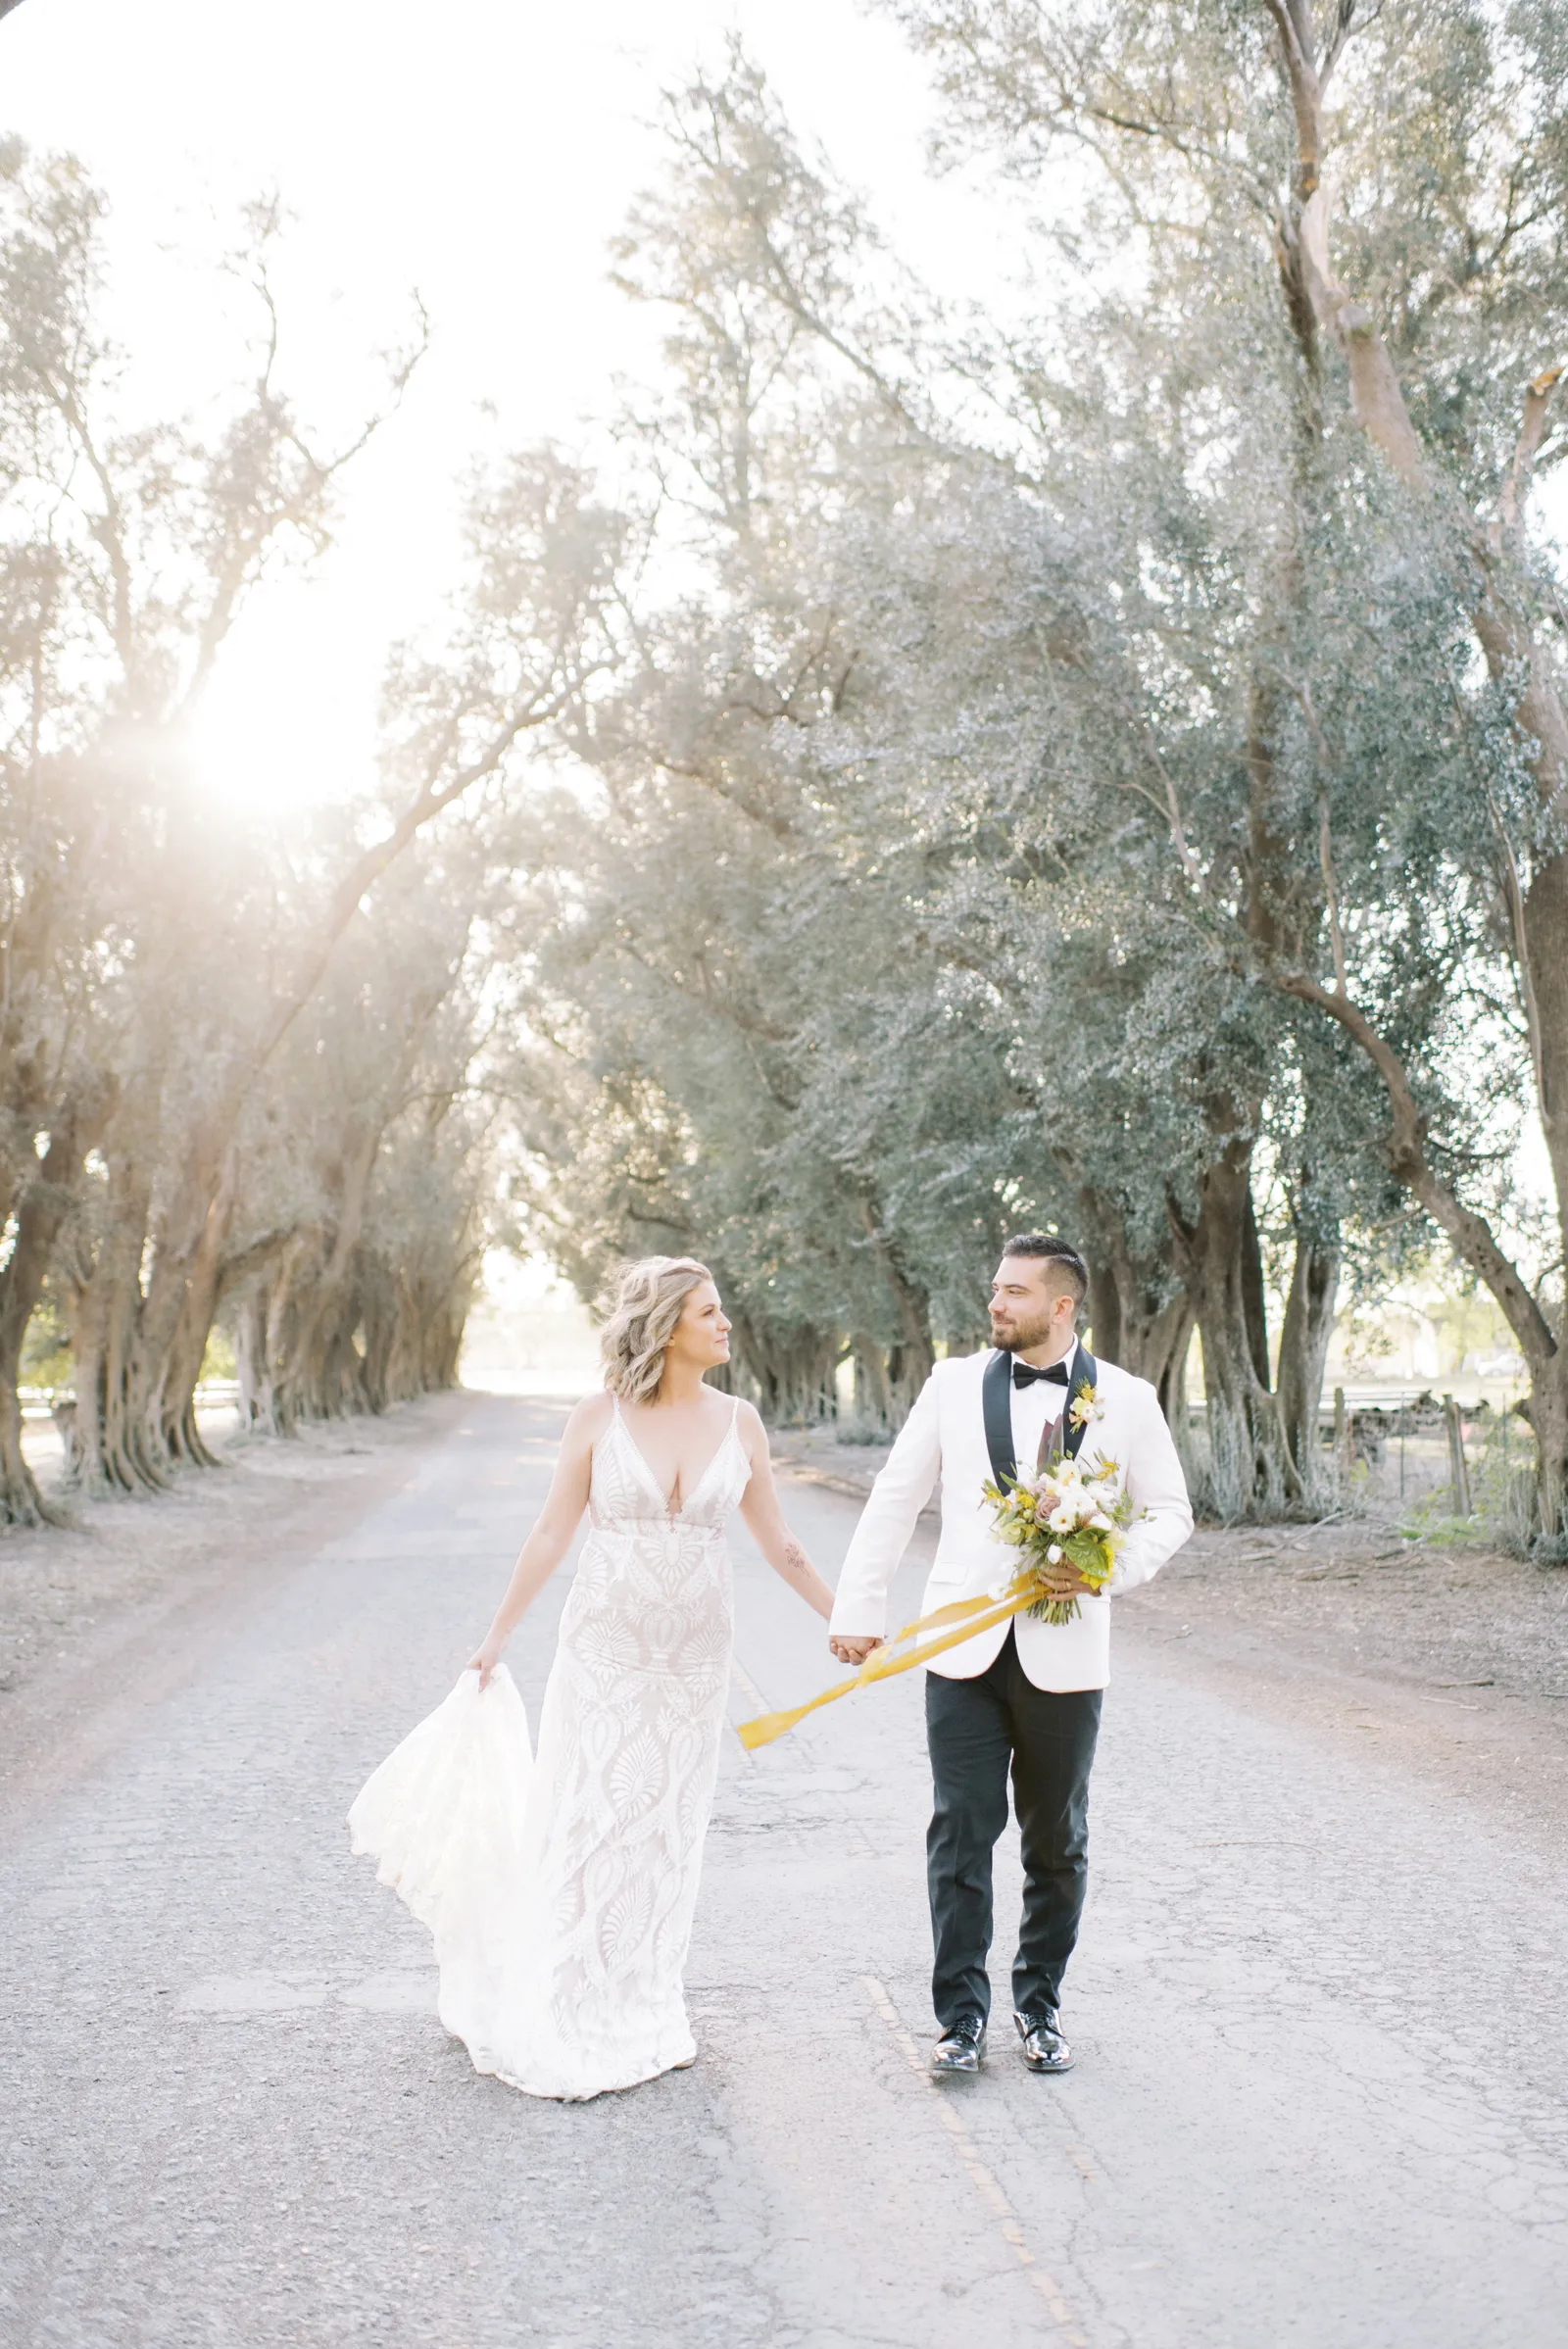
point(930, 774)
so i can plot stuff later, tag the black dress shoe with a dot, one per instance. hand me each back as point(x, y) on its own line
point(960, 2048)
point(1044, 2047)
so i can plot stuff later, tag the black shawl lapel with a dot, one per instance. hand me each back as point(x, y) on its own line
point(997, 1394)
point(1085, 1375)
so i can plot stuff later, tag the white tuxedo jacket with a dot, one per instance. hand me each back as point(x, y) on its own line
point(945, 1434)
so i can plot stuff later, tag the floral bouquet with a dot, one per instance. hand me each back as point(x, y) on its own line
point(1064, 1514)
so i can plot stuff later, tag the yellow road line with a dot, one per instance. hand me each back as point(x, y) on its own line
point(983, 2178)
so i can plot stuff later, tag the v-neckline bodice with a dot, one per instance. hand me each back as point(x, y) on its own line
point(645, 1465)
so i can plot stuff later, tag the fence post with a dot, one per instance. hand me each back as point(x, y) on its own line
point(1458, 1472)
point(1343, 1448)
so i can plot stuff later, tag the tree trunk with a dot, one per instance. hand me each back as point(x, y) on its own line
point(176, 1386)
point(1254, 1310)
point(137, 1347)
point(1171, 1388)
point(39, 1213)
point(1139, 1314)
point(911, 1360)
point(378, 1322)
point(1250, 1471)
point(1304, 1336)
point(20, 1500)
point(913, 1354)
point(810, 1394)
point(795, 1372)
point(106, 1302)
point(873, 1395)
point(307, 1371)
point(250, 1353)
point(1151, 1334)
point(1104, 1302)
point(1548, 1414)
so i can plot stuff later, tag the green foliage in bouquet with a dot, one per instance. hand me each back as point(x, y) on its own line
point(1066, 1515)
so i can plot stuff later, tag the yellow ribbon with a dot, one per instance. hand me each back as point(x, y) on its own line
point(975, 1614)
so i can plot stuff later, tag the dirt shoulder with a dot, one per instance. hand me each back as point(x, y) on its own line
point(99, 1617)
point(1455, 1621)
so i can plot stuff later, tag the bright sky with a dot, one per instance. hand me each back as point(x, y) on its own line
point(483, 152)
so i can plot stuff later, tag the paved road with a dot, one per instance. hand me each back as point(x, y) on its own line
point(1322, 2096)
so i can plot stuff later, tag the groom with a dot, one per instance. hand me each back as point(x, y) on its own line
point(1025, 1694)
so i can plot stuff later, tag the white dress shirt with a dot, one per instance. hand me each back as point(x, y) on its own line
point(1036, 1407)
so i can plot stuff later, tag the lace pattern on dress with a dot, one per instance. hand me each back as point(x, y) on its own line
point(565, 1979)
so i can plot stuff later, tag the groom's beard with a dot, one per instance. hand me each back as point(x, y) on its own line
point(1016, 1336)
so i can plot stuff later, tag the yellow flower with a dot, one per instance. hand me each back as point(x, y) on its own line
point(1086, 1407)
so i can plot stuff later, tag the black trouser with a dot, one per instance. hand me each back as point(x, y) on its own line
point(975, 1728)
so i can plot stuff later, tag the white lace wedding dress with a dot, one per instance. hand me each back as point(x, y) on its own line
point(559, 1889)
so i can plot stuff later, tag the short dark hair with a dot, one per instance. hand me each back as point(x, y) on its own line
point(1058, 1251)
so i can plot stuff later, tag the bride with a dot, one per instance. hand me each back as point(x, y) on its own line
point(559, 1886)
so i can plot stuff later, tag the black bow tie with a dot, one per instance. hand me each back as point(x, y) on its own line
point(1024, 1374)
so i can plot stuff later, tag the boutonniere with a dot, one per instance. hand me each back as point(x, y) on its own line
point(1087, 1408)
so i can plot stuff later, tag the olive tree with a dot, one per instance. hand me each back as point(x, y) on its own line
point(1379, 192)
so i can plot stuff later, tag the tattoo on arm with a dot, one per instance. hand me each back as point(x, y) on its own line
point(796, 1560)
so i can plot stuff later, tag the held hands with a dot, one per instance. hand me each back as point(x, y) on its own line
point(853, 1652)
point(1061, 1582)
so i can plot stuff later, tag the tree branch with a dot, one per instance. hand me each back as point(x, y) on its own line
point(429, 802)
point(1532, 431)
point(1470, 1235)
point(1325, 851)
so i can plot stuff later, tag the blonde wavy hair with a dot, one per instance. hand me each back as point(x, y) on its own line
point(649, 1303)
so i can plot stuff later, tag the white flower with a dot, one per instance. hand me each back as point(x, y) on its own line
point(1053, 1554)
point(1087, 1408)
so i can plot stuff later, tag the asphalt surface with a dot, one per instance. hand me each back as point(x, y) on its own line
point(1322, 2095)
